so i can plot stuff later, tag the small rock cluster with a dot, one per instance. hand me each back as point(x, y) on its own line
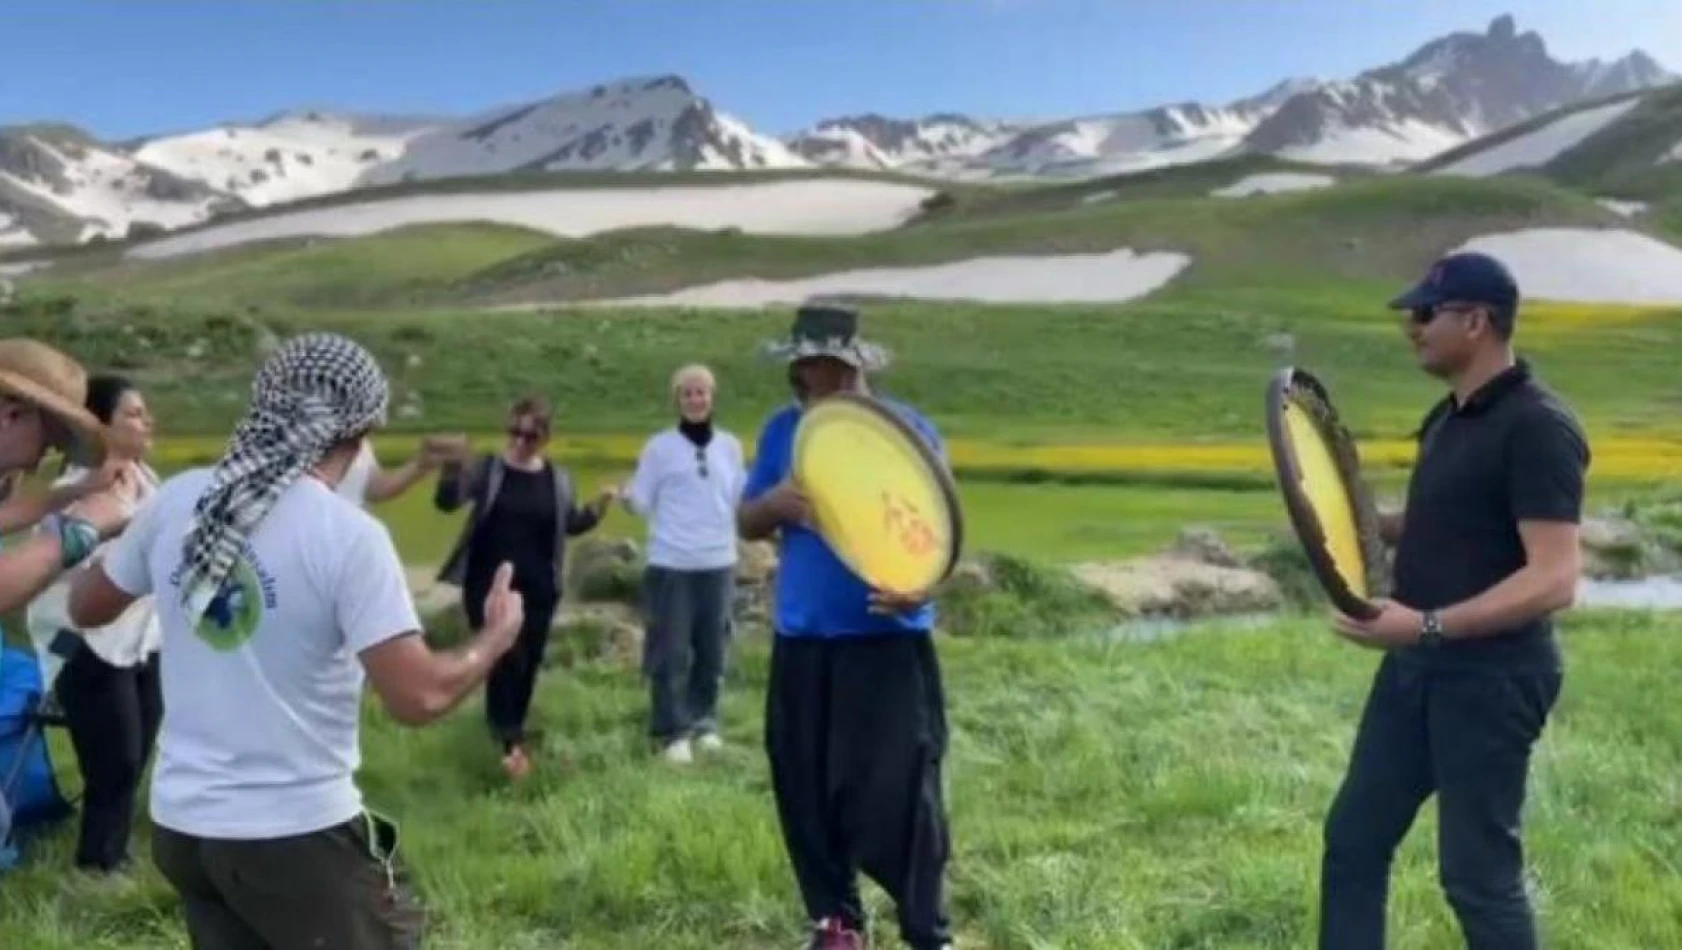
point(1199, 575)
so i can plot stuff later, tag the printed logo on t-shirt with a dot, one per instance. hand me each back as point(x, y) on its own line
point(233, 615)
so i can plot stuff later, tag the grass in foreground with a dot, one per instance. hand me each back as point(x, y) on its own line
point(1103, 795)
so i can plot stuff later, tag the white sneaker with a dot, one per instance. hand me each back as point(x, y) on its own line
point(710, 741)
point(678, 752)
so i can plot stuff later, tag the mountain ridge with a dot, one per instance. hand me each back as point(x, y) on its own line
point(64, 186)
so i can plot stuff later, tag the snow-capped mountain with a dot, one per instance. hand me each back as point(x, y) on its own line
point(1447, 92)
point(876, 141)
point(652, 124)
point(294, 155)
point(58, 185)
point(646, 124)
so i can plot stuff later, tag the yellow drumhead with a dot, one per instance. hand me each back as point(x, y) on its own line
point(1323, 489)
point(1328, 504)
point(878, 495)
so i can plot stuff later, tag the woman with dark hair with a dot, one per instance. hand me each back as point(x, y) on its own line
point(523, 507)
point(108, 686)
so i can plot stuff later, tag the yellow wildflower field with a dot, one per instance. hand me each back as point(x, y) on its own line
point(1619, 457)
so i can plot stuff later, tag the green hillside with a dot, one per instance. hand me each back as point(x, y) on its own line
point(1382, 228)
point(1187, 361)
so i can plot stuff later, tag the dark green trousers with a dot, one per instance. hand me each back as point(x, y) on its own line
point(336, 889)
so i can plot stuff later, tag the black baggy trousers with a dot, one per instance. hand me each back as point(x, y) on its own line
point(1465, 736)
point(855, 731)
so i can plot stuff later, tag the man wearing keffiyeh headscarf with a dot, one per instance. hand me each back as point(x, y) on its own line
point(287, 593)
point(318, 390)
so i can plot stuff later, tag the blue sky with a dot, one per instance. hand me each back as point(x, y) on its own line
point(121, 68)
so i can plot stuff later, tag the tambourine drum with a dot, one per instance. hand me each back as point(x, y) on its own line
point(1329, 505)
point(879, 495)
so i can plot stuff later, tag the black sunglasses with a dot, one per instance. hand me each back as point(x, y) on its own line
point(1424, 315)
point(701, 460)
point(525, 435)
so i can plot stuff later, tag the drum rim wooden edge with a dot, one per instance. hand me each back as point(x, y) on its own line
point(1303, 517)
point(943, 476)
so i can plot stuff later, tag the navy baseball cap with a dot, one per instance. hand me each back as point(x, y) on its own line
point(1467, 277)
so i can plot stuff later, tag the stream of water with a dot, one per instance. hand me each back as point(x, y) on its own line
point(1661, 592)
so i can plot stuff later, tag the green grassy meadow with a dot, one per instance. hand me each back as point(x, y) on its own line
point(1104, 793)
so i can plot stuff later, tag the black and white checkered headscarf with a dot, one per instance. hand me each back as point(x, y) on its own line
point(315, 390)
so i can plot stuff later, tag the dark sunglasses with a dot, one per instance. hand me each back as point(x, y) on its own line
point(701, 460)
point(525, 435)
point(1423, 316)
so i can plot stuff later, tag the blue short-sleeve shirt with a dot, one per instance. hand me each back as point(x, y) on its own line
point(817, 595)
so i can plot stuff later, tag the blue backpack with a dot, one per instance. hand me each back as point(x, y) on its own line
point(30, 799)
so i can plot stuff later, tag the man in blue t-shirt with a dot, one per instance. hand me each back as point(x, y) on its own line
point(855, 716)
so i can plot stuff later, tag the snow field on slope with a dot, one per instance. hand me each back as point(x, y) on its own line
point(1109, 277)
point(811, 207)
point(1273, 182)
point(1585, 265)
point(1540, 146)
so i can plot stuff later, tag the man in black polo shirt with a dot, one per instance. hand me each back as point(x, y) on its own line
point(1486, 552)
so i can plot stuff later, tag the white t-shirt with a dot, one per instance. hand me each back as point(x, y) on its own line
point(354, 485)
point(692, 518)
point(260, 734)
point(124, 642)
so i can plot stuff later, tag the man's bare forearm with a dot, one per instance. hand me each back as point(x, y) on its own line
point(755, 521)
point(452, 675)
point(28, 568)
point(388, 484)
point(1530, 593)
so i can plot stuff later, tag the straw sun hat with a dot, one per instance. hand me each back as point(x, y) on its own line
point(36, 373)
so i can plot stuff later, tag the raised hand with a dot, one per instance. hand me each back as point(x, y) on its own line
point(505, 611)
point(440, 449)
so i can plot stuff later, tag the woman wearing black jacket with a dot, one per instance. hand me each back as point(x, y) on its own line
point(523, 508)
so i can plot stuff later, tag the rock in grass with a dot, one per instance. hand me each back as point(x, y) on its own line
point(1199, 575)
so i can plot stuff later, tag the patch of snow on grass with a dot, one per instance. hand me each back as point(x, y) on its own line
point(12, 233)
point(20, 268)
point(1628, 209)
point(1539, 146)
point(1588, 266)
point(818, 206)
point(1110, 277)
point(1272, 182)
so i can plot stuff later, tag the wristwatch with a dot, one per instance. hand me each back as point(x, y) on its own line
point(1431, 629)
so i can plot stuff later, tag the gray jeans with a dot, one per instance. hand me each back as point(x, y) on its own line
point(687, 621)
